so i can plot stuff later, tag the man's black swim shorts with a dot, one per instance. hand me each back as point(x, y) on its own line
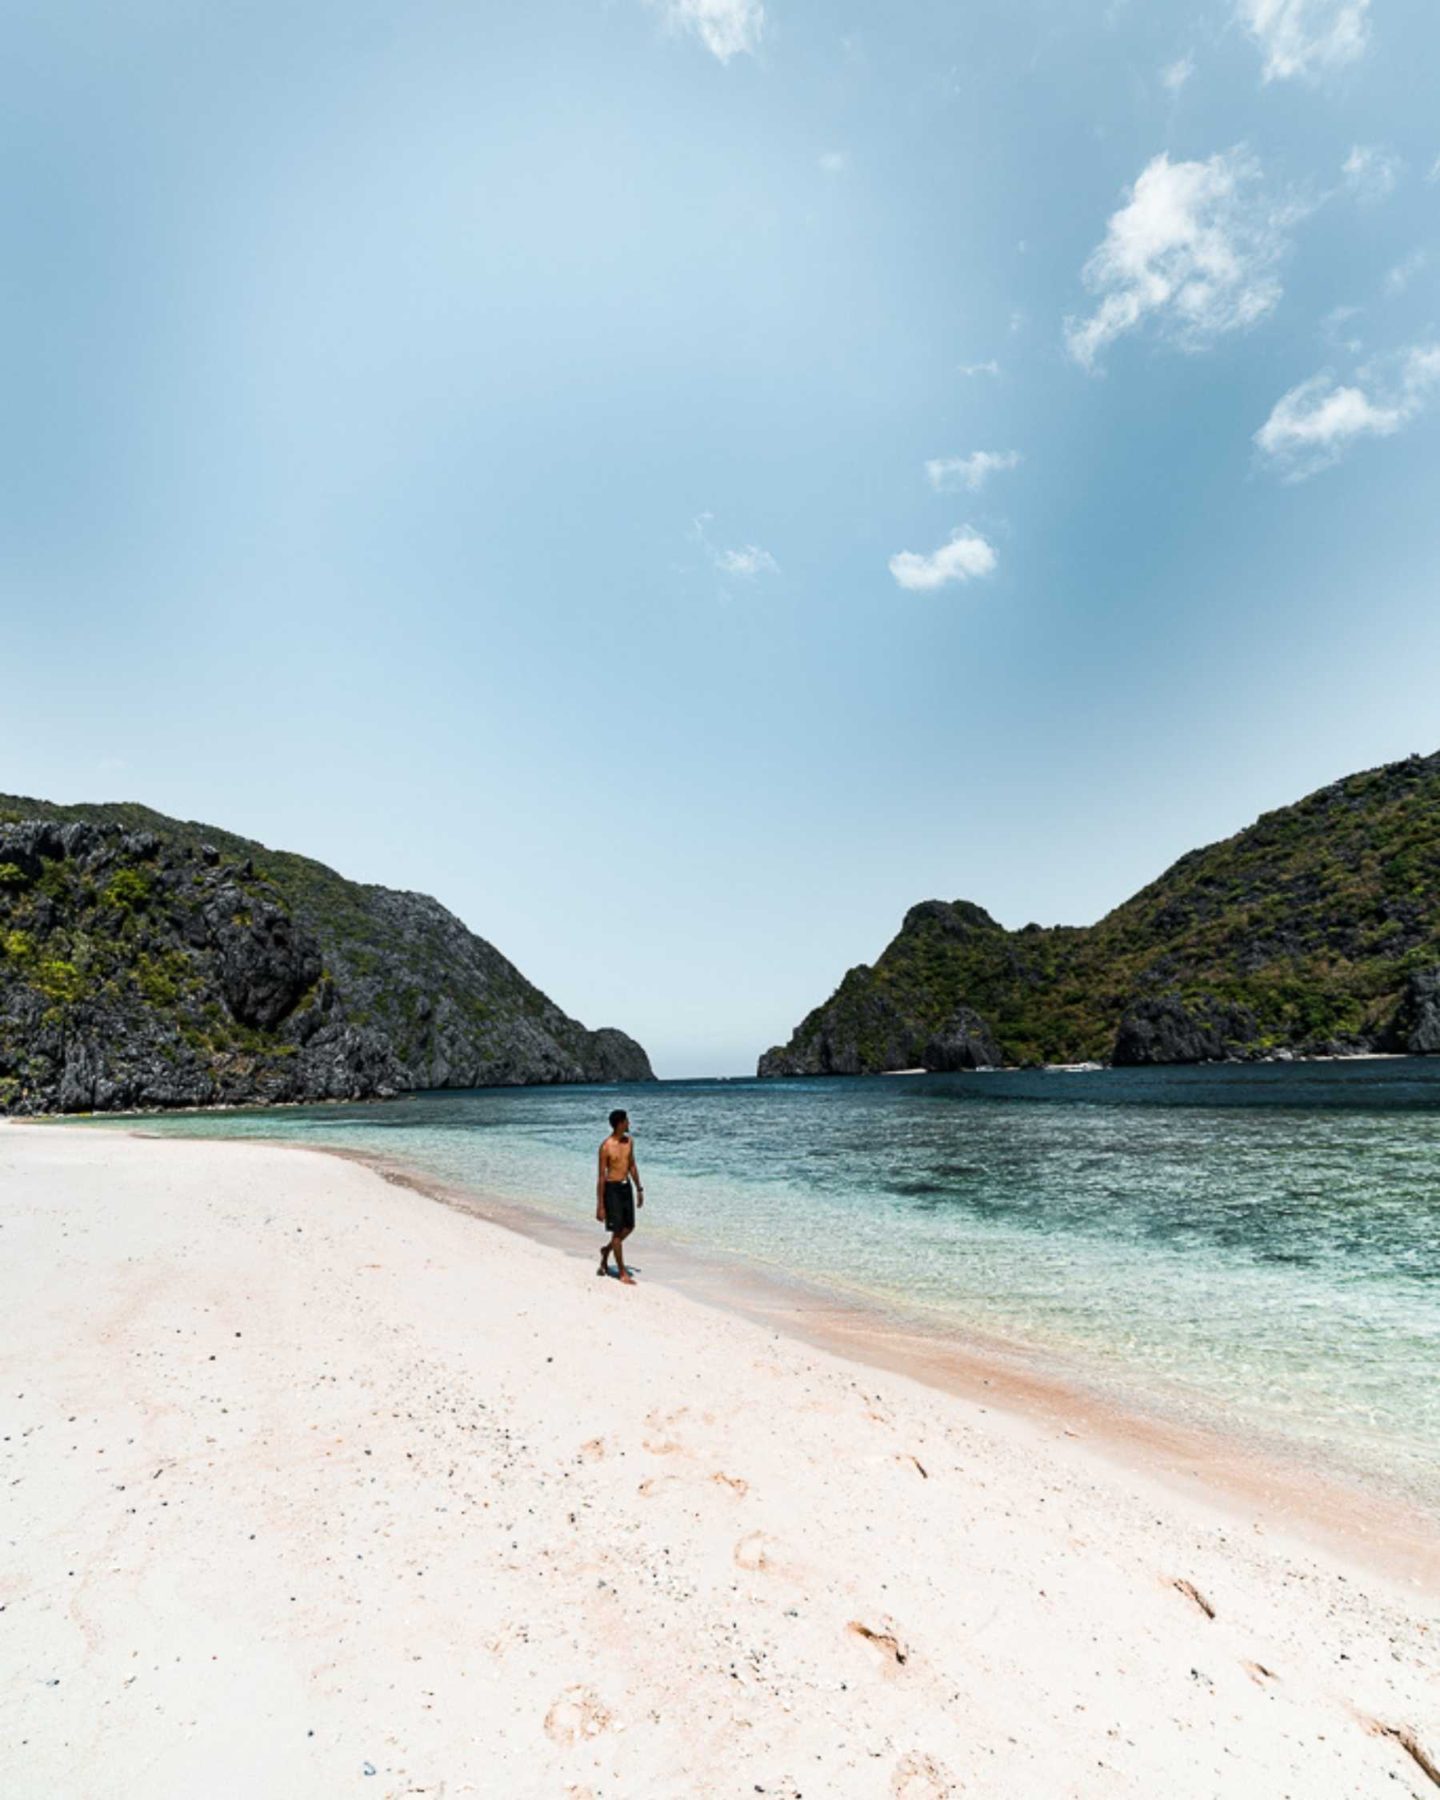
point(619, 1206)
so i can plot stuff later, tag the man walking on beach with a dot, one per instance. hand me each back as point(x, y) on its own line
point(615, 1200)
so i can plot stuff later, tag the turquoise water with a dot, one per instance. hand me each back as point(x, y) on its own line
point(1254, 1247)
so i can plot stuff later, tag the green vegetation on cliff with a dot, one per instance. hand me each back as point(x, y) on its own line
point(1315, 929)
point(149, 961)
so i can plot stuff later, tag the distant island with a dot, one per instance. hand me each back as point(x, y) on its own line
point(150, 962)
point(1316, 931)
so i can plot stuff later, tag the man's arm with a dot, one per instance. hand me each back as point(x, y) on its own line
point(635, 1171)
point(600, 1186)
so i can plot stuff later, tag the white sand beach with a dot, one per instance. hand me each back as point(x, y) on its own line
point(313, 1486)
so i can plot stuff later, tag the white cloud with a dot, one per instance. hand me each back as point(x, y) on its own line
point(725, 27)
point(1192, 247)
point(1313, 425)
point(749, 562)
point(1174, 75)
point(1434, 174)
point(963, 556)
point(1371, 171)
point(946, 474)
point(834, 162)
point(980, 368)
point(1404, 272)
point(1306, 37)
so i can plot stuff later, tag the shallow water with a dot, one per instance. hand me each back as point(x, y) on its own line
point(1257, 1248)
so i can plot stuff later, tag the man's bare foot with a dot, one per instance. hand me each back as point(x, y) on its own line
point(628, 1278)
point(604, 1268)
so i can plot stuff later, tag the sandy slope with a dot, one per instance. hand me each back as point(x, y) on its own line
point(312, 1486)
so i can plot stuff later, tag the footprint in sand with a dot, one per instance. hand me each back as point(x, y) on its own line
point(918, 1777)
point(660, 1426)
point(737, 1484)
point(883, 1638)
point(656, 1484)
point(753, 1551)
point(577, 1713)
point(1192, 1593)
point(592, 1450)
point(1410, 1744)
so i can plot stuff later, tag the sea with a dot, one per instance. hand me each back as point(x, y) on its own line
point(1249, 1247)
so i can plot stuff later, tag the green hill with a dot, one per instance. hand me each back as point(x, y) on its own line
point(147, 961)
point(1315, 930)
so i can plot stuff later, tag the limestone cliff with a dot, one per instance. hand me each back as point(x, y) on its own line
point(149, 962)
point(1315, 930)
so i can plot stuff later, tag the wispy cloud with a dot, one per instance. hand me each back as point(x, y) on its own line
point(1371, 171)
point(1313, 425)
point(948, 474)
point(1332, 328)
point(746, 561)
point(1174, 75)
point(1306, 37)
point(1398, 278)
point(834, 162)
point(1194, 248)
point(990, 367)
point(725, 27)
point(962, 557)
point(749, 561)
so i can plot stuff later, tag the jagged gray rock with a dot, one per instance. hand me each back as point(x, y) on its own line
point(176, 966)
point(847, 1039)
point(1416, 1027)
point(967, 1042)
point(1167, 1030)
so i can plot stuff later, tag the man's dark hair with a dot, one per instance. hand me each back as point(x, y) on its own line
point(618, 1117)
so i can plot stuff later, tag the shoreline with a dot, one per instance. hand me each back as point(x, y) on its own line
point(313, 1485)
point(1279, 1059)
point(1375, 1532)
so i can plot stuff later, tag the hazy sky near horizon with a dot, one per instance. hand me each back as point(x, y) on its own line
point(683, 480)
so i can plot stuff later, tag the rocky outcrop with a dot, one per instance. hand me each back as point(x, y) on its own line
point(966, 1042)
point(1416, 1026)
point(155, 967)
point(860, 1027)
point(1166, 1030)
point(1314, 931)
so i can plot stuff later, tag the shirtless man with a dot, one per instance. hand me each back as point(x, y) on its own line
point(615, 1203)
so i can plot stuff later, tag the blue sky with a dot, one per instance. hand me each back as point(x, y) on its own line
point(682, 480)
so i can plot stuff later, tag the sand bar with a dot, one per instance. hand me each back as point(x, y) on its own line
point(312, 1486)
